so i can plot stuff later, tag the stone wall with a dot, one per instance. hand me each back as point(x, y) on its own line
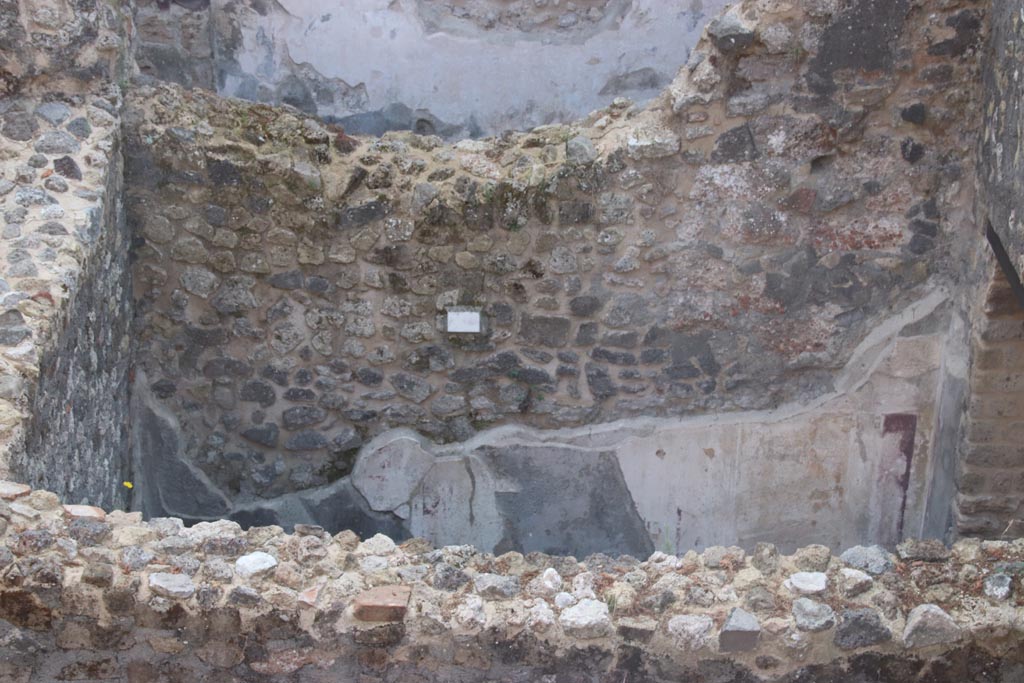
point(61, 45)
point(64, 290)
point(999, 170)
point(466, 67)
point(802, 183)
point(88, 596)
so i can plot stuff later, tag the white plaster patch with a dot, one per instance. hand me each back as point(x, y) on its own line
point(464, 322)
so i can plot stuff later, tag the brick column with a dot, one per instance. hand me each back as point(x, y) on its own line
point(990, 497)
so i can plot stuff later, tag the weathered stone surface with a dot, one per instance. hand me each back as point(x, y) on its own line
point(586, 619)
point(496, 586)
point(812, 616)
point(411, 387)
point(255, 564)
point(172, 585)
point(12, 490)
point(306, 440)
point(807, 583)
point(57, 142)
point(265, 435)
point(302, 416)
point(544, 330)
point(740, 632)
point(547, 584)
point(690, 278)
point(860, 628)
point(855, 581)
point(872, 559)
point(89, 512)
point(647, 143)
point(929, 625)
point(926, 551)
point(580, 150)
point(998, 586)
point(691, 631)
point(730, 33)
point(813, 558)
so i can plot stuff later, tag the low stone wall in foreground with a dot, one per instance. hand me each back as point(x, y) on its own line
point(88, 595)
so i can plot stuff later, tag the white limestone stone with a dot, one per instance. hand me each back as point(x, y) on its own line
point(254, 564)
point(586, 619)
point(172, 585)
point(807, 583)
point(691, 631)
point(547, 584)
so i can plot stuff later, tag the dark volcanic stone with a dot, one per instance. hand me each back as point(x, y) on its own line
point(215, 215)
point(653, 356)
point(920, 244)
point(600, 383)
point(357, 216)
point(302, 416)
point(79, 127)
point(411, 387)
point(613, 357)
point(88, 531)
point(860, 628)
point(67, 167)
point(163, 388)
point(306, 440)
point(370, 377)
point(12, 327)
point(734, 146)
point(915, 113)
point(223, 172)
point(729, 36)
point(292, 279)
point(19, 125)
point(258, 391)
point(967, 24)
point(585, 305)
point(926, 228)
point(57, 142)
point(345, 440)
point(862, 38)
point(448, 578)
point(544, 330)
point(300, 394)
point(911, 150)
point(587, 334)
point(264, 435)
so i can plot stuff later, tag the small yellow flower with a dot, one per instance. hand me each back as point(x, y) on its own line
point(128, 484)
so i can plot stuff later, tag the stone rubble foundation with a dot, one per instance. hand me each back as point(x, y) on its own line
point(88, 595)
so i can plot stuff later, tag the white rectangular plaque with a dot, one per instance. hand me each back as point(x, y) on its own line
point(464, 322)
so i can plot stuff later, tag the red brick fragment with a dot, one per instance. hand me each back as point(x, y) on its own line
point(383, 603)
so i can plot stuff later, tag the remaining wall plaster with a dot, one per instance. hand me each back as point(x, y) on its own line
point(452, 68)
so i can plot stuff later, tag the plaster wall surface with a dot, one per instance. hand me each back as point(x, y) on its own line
point(454, 68)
